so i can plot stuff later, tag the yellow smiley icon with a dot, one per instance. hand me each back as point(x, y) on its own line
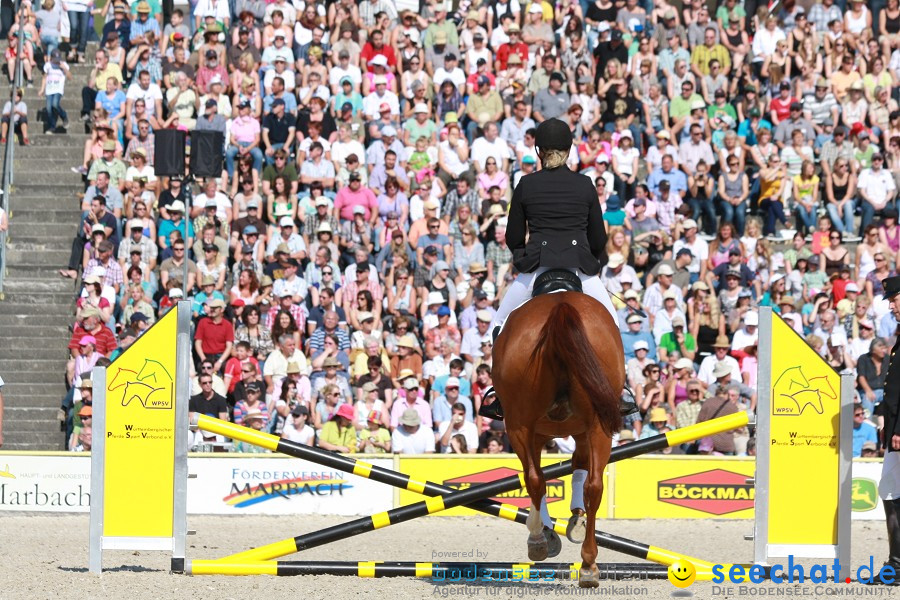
point(682, 573)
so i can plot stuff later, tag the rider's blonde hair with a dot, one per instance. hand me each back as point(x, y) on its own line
point(551, 159)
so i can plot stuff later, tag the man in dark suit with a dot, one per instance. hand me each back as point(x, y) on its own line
point(889, 486)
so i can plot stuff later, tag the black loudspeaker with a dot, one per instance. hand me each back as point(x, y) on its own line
point(207, 153)
point(168, 155)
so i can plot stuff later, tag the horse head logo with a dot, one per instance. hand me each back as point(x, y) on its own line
point(794, 392)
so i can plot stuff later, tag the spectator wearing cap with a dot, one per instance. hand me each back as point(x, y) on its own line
point(635, 333)
point(678, 341)
point(287, 241)
point(412, 435)
point(354, 194)
point(244, 139)
point(640, 359)
point(246, 241)
point(210, 119)
point(657, 422)
point(381, 99)
point(483, 106)
point(552, 101)
point(109, 164)
point(136, 241)
point(214, 337)
point(291, 284)
point(699, 249)
point(734, 266)
point(279, 129)
point(297, 428)
point(664, 282)
point(112, 271)
point(470, 347)
point(254, 402)
point(793, 121)
point(662, 319)
point(458, 424)
point(373, 438)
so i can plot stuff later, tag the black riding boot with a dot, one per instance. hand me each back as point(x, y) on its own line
point(892, 518)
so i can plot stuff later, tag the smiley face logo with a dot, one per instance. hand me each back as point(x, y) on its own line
point(682, 573)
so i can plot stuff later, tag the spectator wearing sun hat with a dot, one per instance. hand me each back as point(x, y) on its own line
point(339, 434)
point(412, 435)
point(410, 397)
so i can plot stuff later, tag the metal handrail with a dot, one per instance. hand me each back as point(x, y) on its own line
point(9, 149)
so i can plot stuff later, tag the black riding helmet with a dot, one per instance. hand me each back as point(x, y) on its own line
point(553, 134)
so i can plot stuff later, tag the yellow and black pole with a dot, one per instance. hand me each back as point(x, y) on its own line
point(437, 572)
point(443, 497)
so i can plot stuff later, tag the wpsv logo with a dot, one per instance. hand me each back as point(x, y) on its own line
point(716, 492)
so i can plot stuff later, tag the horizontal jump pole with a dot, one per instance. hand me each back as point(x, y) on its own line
point(443, 497)
point(450, 572)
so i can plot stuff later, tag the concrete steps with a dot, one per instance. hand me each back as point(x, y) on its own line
point(37, 308)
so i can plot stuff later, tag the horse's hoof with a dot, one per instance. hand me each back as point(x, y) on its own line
point(576, 530)
point(537, 548)
point(589, 578)
point(554, 543)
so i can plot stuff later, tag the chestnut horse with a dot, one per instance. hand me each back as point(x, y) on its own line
point(559, 371)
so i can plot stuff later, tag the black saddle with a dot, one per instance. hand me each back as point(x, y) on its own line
point(555, 280)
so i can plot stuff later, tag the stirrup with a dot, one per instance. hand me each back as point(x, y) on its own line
point(493, 410)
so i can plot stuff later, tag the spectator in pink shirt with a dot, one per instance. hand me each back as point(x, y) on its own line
point(245, 136)
point(355, 195)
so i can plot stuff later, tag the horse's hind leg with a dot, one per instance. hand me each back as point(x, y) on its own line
point(599, 447)
point(577, 526)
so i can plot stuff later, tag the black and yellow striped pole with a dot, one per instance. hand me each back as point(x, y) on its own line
point(450, 572)
point(443, 497)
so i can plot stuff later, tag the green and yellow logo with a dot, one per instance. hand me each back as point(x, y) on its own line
point(864, 496)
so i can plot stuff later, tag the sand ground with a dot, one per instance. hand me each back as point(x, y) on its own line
point(46, 557)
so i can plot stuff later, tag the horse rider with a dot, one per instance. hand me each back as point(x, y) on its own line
point(558, 211)
point(889, 486)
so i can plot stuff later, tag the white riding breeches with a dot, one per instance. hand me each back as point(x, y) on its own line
point(520, 291)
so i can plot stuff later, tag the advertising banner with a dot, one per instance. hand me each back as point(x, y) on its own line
point(642, 488)
point(52, 482)
point(462, 473)
point(689, 487)
point(275, 485)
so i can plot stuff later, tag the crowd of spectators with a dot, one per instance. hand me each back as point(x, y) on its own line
point(345, 266)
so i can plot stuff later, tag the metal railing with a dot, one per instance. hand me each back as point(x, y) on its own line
point(9, 148)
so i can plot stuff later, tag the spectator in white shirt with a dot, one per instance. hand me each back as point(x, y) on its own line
point(410, 437)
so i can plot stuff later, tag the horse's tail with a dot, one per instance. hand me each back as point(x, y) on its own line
point(565, 342)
